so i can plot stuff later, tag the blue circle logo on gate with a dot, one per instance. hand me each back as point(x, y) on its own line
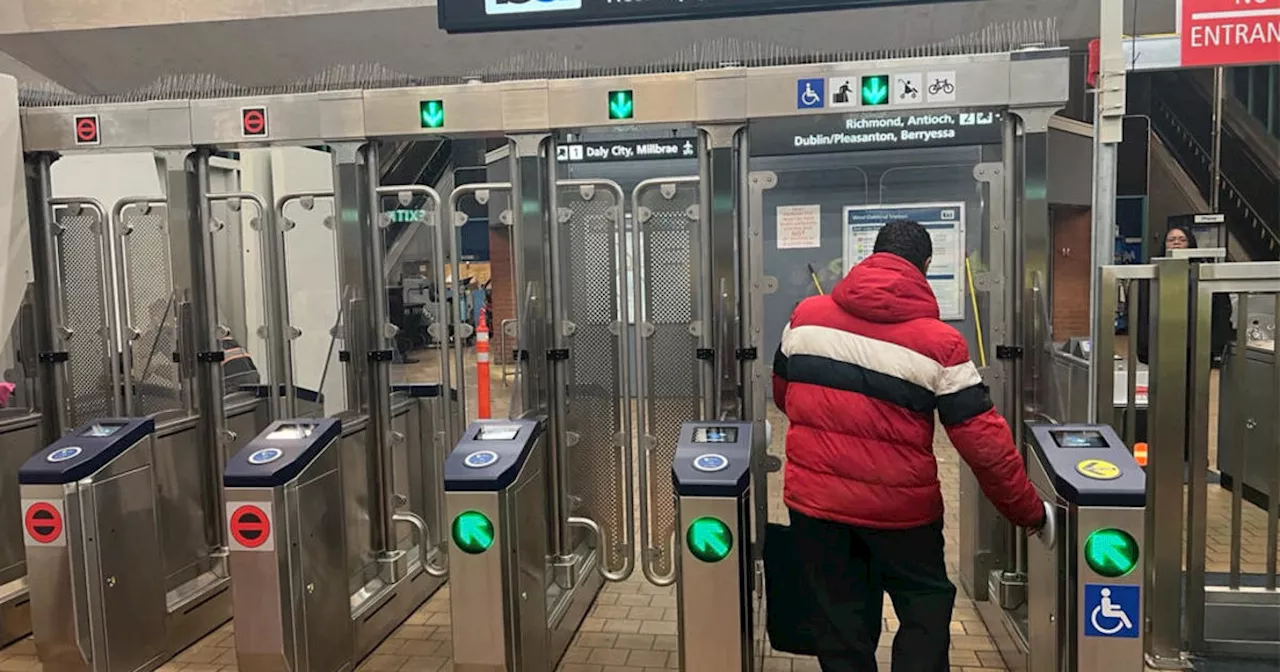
point(480, 459)
point(265, 456)
point(64, 454)
point(711, 462)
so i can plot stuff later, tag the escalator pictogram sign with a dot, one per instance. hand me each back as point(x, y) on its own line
point(250, 528)
point(43, 523)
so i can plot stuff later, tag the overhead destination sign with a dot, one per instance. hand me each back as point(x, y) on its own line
point(626, 150)
point(834, 133)
point(477, 16)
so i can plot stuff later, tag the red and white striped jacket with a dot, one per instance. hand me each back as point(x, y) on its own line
point(860, 375)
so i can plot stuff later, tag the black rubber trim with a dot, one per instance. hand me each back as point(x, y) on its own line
point(705, 354)
point(54, 357)
point(212, 357)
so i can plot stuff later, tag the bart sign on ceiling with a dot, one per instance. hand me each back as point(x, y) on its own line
point(477, 16)
point(1229, 32)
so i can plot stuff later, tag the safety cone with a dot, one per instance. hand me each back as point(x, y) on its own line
point(482, 368)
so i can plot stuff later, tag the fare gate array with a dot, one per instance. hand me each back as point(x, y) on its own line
point(698, 277)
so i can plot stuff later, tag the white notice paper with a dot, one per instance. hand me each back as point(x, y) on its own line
point(799, 226)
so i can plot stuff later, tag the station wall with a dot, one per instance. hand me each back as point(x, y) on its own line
point(15, 238)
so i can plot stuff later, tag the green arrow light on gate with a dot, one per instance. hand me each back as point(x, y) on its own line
point(431, 113)
point(875, 90)
point(472, 532)
point(1111, 553)
point(709, 539)
point(622, 105)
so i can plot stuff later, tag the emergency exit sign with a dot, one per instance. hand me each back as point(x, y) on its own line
point(1229, 32)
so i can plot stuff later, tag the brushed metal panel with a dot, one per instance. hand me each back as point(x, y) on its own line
point(292, 118)
point(15, 448)
point(1040, 81)
point(526, 106)
point(723, 95)
point(361, 568)
point(133, 611)
point(180, 478)
point(149, 125)
point(575, 103)
point(476, 583)
point(326, 616)
point(468, 108)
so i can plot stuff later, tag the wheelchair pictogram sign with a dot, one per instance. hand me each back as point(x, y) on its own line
point(1112, 611)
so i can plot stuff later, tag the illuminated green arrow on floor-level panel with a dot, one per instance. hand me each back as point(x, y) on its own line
point(709, 539)
point(472, 532)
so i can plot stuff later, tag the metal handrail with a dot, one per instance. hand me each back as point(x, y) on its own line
point(626, 457)
point(645, 441)
point(125, 307)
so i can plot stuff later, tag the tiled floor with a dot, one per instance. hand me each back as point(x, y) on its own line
point(632, 627)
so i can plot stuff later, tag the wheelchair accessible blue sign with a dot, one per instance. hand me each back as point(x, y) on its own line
point(811, 94)
point(1112, 611)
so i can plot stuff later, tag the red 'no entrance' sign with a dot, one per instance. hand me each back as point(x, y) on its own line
point(250, 526)
point(1229, 32)
point(253, 122)
point(44, 522)
point(86, 129)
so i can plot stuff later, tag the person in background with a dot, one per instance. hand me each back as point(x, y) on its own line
point(860, 374)
point(1220, 331)
point(6, 392)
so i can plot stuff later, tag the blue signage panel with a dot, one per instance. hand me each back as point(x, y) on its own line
point(1112, 611)
point(477, 16)
point(811, 94)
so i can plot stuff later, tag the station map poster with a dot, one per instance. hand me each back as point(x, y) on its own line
point(945, 222)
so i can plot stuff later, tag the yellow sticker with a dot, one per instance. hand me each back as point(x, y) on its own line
point(1098, 470)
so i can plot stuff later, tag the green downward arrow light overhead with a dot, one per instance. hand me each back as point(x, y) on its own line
point(1111, 553)
point(622, 105)
point(472, 532)
point(875, 90)
point(431, 113)
point(709, 539)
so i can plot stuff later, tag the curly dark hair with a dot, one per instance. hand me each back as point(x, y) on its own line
point(906, 239)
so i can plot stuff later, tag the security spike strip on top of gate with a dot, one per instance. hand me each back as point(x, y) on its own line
point(714, 53)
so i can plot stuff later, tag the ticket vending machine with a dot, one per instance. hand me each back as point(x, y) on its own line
point(1085, 581)
point(93, 550)
point(711, 475)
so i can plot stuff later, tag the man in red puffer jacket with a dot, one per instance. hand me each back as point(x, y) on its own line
point(860, 375)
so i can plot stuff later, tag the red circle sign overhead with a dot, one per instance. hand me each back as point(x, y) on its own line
point(44, 522)
point(1229, 32)
point(254, 121)
point(250, 526)
point(86, 130)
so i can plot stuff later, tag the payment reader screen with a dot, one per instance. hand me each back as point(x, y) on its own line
point(498, 433)
point(98, 431)
point(715, 435)
point(290, 433)
point(1079, 439)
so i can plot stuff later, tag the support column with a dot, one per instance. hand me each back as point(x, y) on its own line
point(349, 201)
point(191, 253)
point(1108, 126)
point(48, 302)
point(719, 338)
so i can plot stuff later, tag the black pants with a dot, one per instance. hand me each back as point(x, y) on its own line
point(850, 568)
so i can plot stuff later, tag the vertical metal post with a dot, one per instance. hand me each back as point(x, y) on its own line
point(1219, 92)
point(349, 189)
point(1168, 436)
point(48, 306)
point(378, 378)
point(717, 167)
point(1108, 126)
point(558, 373)
point(191, 229)
point(279, 336)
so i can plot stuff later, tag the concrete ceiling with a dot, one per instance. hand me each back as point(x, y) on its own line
point(271, 51)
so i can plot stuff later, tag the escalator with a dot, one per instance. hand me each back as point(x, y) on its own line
point(425, 162)
point(1181, 113)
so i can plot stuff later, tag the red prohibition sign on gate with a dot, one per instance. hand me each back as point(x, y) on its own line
point(87, 129)
point(250, 526)
point(253, 121)
point(44, 523)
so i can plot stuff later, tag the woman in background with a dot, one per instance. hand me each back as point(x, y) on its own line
point(1220, 332)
